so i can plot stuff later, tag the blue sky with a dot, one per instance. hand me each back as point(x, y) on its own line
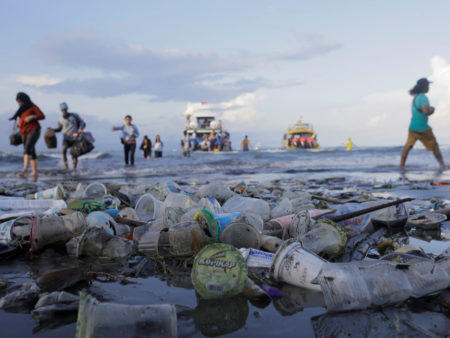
point(344, 66)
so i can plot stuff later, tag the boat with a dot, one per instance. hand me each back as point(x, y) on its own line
point(300, 135)
point(205, 131)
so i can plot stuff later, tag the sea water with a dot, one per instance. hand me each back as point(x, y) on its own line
point(367, 163)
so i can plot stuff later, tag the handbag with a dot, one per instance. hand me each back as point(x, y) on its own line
point(15, 138)
point(81, 146)
point(50, 139)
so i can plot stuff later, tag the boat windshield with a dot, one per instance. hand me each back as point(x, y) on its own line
point(301, 126)
point(204, 122)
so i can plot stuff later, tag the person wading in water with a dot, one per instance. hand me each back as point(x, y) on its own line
point(419, 128)
point(129, 135)
point(29, 115)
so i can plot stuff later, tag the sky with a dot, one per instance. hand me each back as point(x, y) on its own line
point(344, 66)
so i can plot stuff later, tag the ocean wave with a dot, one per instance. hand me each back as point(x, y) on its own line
point(98, 155)
point(6, 157)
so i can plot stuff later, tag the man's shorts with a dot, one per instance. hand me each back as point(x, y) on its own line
point(426, 137)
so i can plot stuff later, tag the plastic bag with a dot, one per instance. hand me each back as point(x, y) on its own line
point(81, 146)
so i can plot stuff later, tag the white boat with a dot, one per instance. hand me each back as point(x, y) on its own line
point(205, 131)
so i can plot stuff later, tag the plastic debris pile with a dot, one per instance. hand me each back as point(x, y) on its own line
point(289, 243)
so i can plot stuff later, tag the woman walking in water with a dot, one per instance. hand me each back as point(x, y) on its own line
point(30, 130)
point(146, 146)
point(419, 128)
point(129, 135)
point(158, 147)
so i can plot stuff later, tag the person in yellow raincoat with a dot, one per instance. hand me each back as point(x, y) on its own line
point(349, 144)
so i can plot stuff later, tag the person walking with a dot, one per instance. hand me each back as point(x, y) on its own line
point(186, 145)
point(419, 130)
point(70, 124)
point(146, 146)
point(159, 145)
point(129, 136)
point(29, 115)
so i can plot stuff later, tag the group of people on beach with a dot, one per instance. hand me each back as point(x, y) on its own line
point(71, 125)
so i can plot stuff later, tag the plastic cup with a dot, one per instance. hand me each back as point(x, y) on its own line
point(95, 190)
point(56, 193)
point(96, 319)
point(148, 208)
point(296, 266)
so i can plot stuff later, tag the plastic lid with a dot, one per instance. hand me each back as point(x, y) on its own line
point(219, 271)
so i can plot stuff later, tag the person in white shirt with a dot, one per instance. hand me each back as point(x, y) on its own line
point(158, 146)
point(129, 136)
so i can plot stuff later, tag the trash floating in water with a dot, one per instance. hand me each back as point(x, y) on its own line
point(429, 220)
point(96, 319)
point(360, 285)
point(55, 304)
point(20, 299)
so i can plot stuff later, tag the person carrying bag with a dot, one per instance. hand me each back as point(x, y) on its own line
point(15, 139)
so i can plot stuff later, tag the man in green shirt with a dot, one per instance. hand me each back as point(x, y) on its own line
point(419, 128)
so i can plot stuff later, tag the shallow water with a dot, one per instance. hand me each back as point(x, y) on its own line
point(376, 163)
point(359, 169)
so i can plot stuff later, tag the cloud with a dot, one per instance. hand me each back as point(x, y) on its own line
point(237, 111)
point(377, 120)
point(311, 45)
point(440, 90)
point(37, 80)
point(132, 69)
point(382, 118)
point(117, 68)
